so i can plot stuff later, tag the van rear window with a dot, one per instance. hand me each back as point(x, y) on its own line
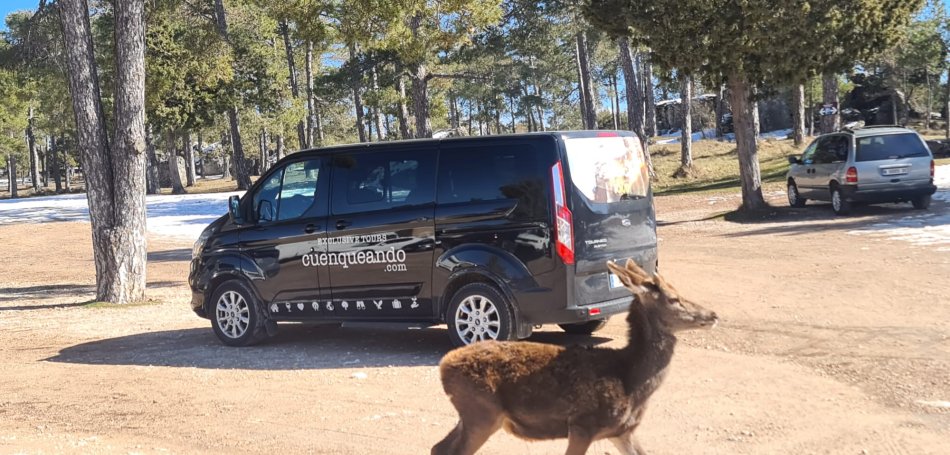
point(890, 146)
point(608, 169)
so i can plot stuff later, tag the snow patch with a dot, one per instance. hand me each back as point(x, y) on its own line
point(674, 137)
point(930, 228)
point(180, 216)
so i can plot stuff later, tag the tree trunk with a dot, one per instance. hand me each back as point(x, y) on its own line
point(720, 111)
point(67, 171)
point(635, 109)
point(34, 154)
point(294, 88)
point(55, 166)
point(740, 97)
point(453, 111)
point(47, 156)
point(829, 94)
point(201, 155)
point(686, 141)
point(262, 149)
point(115, 176)
point(930, 99)
point(588, 109)
point(240, 167)
point(357, 101)
point(946, 103)
point(280, 146)
point(189, 159)
point(319, 121)
point(798, 114)
point(311, 104)
point(650, 110)
point(174, 173)
point(420, 101)
point(376, 117)
point(152, 182)
point(616, 101)
point(11, 176)
point(403, 111)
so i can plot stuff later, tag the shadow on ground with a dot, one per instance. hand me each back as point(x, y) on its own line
point(176, 255)
point(54, 291)
point(295, 347)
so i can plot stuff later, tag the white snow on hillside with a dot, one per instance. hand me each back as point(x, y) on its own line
point(929, 228)
point(181, 216)
point(710, 133)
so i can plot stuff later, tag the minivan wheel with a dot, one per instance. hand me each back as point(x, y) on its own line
point(584, 328)
point(235, 315)
point(921, 202)
point(479, 312)
point(795, 198)
point(839, 204)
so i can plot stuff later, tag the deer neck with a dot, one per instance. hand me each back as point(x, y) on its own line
point(648, 352)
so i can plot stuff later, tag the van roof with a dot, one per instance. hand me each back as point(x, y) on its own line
point(879, 130)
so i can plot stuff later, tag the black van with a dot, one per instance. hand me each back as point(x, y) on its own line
point(490, 235)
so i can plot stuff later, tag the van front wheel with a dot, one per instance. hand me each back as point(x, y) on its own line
point(584, 328)
point(479, 312)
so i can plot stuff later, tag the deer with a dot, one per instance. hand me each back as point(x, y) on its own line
point(539, 391)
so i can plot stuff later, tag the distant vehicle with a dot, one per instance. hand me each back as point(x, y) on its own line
point(867, 165)
point(490, 235)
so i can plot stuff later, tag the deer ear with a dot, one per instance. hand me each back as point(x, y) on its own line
point(632, 280)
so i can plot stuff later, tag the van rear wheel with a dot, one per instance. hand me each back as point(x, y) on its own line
point(479, 312)
point(584, 328)
point(921, 202)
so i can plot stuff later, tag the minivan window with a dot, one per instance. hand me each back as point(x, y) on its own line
point(890, 146)
point(832, 149)
point(608, 169)
point(514, 171)
point(382, 180)
point(288, 193)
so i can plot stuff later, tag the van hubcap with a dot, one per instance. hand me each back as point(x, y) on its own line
point(477, 320)
point(836, 200)
point(232, 314)
point(792, 195)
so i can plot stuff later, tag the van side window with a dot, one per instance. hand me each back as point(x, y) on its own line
point(288, 193)
point(489, 174)
point(382, 180)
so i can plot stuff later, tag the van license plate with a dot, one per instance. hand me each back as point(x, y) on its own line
point(614, 281)
point(895, 171)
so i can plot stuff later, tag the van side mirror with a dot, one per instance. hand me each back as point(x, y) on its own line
point(794, 159)
point(234, 209)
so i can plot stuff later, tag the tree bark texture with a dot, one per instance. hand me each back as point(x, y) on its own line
point(311, 103)
point(55, 166)
point(650, 110)
point(829, 96)
point(294, 88)
point(189, 159)
point(420, 86)
point(115, 175)
point(403, 112)
point(719, 111)
point(357, 101)
point(152, 183)
point(946, 103)
point(240, 167)
point(11, 176)
point(262, 149)
point(798, 114)
point(34, 153)
point(686, 141)
point(588, 109)
point(740, 97)
point(635, 105)
point(201, 155)
point(174, 173)
point(930, 99)
point(376, 111)
point(280, 146)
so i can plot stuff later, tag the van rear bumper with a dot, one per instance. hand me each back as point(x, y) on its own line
point(856, 194)
point(600, 310)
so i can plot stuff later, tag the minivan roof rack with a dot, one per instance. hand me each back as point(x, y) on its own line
point(868, 127)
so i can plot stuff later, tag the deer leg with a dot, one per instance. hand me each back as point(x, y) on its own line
point(578, 442)
point(477, 422)
point(627, 444)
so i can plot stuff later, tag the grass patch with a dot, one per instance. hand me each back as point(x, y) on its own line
point(716, 165)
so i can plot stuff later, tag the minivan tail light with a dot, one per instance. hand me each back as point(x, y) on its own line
point(563, 220)
point(852, 175)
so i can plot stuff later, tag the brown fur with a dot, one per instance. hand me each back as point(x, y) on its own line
point(540, 391)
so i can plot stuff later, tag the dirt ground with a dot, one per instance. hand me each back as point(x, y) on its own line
point(829, 343)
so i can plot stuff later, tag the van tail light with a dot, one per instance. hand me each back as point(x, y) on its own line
point(563, 220)
point(932, 169)
point(852, 175)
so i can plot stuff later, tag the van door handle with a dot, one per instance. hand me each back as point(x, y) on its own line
point(310, 228)
point(343, 224)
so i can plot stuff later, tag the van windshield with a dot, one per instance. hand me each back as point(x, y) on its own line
point(608, 169)
point(890, 146)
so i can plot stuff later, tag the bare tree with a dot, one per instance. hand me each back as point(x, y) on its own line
point(115, 173)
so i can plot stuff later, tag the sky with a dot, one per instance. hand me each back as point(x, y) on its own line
point(8, 6)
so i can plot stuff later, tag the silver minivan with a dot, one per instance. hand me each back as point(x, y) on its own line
point(867, 165)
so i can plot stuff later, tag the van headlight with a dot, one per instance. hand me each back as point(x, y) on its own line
point(200, 243)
